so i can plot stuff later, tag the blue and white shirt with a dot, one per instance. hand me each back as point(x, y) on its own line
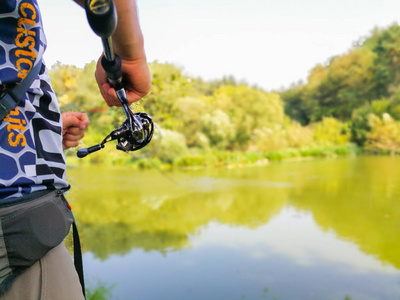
point(31, 154)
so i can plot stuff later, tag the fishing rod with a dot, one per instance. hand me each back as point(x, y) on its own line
point(138, 128)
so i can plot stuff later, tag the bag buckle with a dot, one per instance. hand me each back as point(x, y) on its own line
point(7, 104)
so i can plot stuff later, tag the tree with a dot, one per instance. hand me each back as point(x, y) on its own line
point(331, 132)
point(168, 84)
point(248, 109)
point(218, 127)
point(189, 111)
point(387, 62)
point(340, 87)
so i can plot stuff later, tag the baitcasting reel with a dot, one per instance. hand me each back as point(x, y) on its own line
point(137, 129)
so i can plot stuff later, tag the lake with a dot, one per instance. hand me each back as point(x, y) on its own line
point(317, 229)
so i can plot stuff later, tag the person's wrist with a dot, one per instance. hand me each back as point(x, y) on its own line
point(130, 50)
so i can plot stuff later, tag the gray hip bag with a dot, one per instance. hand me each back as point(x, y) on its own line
point(29, 228)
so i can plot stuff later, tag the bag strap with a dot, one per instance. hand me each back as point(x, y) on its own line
point(78, 257)
point(11, 98)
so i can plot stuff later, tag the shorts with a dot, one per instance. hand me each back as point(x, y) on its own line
point(51, 278)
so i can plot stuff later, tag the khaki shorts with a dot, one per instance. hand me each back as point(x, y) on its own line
point(52, 278)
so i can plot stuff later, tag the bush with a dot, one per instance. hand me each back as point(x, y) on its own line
point(218, 128)
point(384, 134)
point(173, 145)
point(331, 131)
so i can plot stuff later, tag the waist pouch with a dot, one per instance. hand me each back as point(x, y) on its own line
point(29, 228)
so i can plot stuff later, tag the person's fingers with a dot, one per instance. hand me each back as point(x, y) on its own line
point(136, 81)
point(133, 96)
point(84, 120)
point(73, 136)
point(70, 120)
point(110, 96)
point(101, 80)
point(75, 120)
point(70, 144)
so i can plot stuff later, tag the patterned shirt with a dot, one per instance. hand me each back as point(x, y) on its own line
point(31, 155)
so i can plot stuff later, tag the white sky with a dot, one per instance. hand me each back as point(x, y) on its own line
point(270, 43)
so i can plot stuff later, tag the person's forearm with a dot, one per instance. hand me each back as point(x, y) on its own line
point(128, 37)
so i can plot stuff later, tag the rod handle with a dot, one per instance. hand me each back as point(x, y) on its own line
point(102, 17)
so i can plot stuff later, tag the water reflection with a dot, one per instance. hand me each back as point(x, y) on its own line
point(290, 258)
point(325, 228)
point(155, 215)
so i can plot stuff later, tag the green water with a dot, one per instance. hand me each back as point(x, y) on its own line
point(320, 229)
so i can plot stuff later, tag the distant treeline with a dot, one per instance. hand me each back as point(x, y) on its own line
point(353, 99)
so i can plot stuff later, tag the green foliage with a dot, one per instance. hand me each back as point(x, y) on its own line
point(76, 88)
point(269, 138)
point(331, 132)
point(99, 291)
point(361, 88)
point(280, 136)
point(295, 104)
point(173, 145)
point(384, 134)
point(248, 109)
point(368, 72)
point(360, 122)
point(387, 63)
point(168, 85)
point(190, 110)
point(332, 108)
point(218, 128)
point(334, 90)
point(298, 136)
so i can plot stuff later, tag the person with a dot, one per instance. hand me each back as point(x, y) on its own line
point(32, 139)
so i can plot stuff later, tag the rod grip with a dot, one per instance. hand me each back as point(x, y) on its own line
point(102, 17)
point(113, 69)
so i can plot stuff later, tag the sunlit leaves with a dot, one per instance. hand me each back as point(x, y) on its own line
point(384, 134)
point(331, 108)
point(331, 132)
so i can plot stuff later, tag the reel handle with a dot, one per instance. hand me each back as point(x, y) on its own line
point(85, 151)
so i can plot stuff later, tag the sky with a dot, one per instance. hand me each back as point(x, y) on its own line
point(267, 43)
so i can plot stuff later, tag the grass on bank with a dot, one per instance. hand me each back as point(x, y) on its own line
point(209, 159)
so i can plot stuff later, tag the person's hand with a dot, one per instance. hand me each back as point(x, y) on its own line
point(136, 81)
point(74, 126)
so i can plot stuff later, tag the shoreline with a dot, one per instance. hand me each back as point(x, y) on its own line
point(216, 159)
